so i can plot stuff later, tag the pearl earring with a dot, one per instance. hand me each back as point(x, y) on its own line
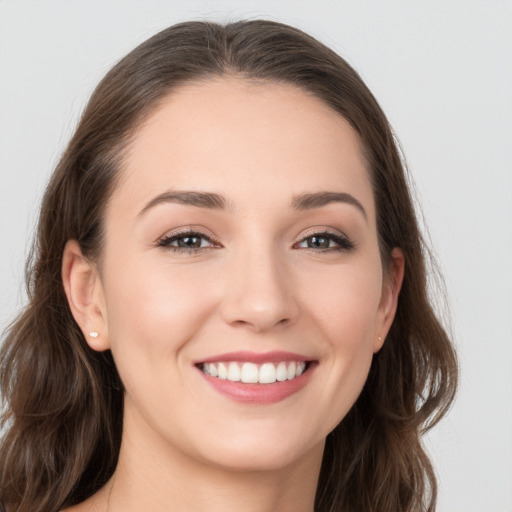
point(94, 334)
point(380, 338)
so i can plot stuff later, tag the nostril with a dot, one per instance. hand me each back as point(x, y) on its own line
point(259, 301)
point(260, 322)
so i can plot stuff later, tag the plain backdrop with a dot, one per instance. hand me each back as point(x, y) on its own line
point(442, 70)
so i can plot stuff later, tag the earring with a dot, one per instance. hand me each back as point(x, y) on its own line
point(94, 334)
point(380, 338)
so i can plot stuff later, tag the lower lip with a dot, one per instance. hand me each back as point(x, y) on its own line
point(259, 393)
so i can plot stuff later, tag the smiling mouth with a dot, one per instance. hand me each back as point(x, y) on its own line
point(252, 373)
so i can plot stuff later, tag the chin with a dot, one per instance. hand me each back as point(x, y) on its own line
point(264, 452)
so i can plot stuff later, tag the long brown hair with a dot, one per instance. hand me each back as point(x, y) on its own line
point(63, 402)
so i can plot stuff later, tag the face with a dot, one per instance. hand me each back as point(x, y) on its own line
point(243, 294)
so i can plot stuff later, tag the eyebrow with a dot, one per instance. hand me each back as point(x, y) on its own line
point(310, 201)
point(191, 198)
point(211, 200)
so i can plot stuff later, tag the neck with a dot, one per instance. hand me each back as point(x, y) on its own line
point(155, 476)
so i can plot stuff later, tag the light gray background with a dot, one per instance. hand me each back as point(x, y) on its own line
point(442, 71)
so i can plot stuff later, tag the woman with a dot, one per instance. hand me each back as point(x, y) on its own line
point(228, 302)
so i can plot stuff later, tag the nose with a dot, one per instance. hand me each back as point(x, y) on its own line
point(259, 292)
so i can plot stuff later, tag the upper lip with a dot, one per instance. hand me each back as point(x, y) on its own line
point(275, 356)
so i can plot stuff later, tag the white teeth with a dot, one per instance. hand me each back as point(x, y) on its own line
point(281, 372)
point(223, 371)
point(213, 370)
point(251, 373)
point(267, 373)
point(291, 370)
point(233, 372)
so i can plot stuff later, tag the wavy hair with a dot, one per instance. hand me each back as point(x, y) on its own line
point(63, 402)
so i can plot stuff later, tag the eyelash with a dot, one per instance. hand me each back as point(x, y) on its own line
point(343, 242)
point(166, 242)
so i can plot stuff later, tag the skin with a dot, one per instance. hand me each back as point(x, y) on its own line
point(256, 286)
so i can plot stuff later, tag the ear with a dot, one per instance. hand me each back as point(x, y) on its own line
point(84, 291)
point(389, 299)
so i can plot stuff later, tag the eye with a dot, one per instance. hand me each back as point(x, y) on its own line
point(326, 241)
point(189, 241)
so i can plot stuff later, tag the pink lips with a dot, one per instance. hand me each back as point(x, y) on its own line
point(256, 358)
point(258, 393)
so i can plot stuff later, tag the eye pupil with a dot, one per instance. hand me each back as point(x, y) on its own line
point(318, 242)
point(190, 242)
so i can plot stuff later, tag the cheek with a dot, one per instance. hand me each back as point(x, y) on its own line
point(345, 304)
point(347, 315)
point(349, 330)
point(154, 307)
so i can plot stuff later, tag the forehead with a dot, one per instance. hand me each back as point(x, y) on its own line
point(251, 138)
